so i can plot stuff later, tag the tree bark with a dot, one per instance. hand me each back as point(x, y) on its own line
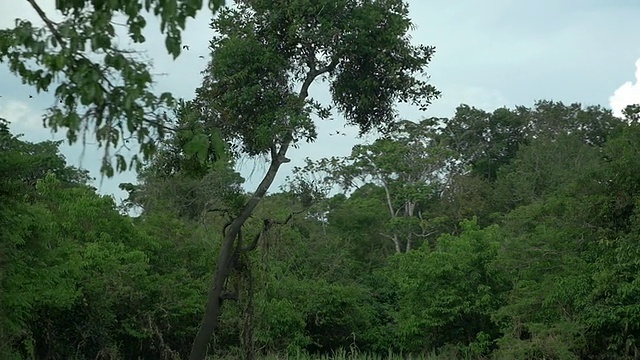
point(223, 267)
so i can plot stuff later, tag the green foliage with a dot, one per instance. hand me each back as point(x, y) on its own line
point(37, 267)
point(266, 49)
point(554, 279)
point(78, 278)
point(447, 296)
point(544, 167)
point(408, 165)
point(359, 221)
point(189, 173)
point(97, 84)
point(384, 55)
point(487, 141)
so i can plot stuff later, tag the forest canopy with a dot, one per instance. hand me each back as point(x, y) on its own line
point(503, 234)
point(536, 258)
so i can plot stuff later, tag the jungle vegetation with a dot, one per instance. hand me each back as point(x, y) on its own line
point(510, 234)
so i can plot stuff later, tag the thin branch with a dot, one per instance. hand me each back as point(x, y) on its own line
point(387, 235)
point(424, 233)
point(313, 74)
point(224, 210)
point(266, 225)
point(48, 22)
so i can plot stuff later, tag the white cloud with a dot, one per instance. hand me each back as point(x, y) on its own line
point(627, 94)
point(24, 119)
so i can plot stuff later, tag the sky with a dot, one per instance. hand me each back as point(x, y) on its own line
point(489, 54)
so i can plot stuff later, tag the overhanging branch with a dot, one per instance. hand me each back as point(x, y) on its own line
point(52, 26)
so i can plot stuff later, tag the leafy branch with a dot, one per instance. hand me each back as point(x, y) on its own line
point(113, 110)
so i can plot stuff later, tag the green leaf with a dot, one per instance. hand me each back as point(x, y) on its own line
point(121, 163)
point(107, 169)
point(198, 146)
point(173, 45)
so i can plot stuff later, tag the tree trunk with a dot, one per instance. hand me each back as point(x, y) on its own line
point(396, 243)
point(223, 267)
point(213, 306)
point(409, 209)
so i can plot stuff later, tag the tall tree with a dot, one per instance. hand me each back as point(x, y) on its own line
point(484, 141)
point(268, 48)
point(412, 169)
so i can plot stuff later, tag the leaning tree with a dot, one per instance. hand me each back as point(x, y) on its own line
point(265, 58)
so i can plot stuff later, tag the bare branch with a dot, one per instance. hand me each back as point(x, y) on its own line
point(48, 22)
point(266, 225)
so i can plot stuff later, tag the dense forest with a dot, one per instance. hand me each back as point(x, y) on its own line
point(506, 234)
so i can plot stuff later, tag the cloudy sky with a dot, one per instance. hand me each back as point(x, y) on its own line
point(489, 54)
